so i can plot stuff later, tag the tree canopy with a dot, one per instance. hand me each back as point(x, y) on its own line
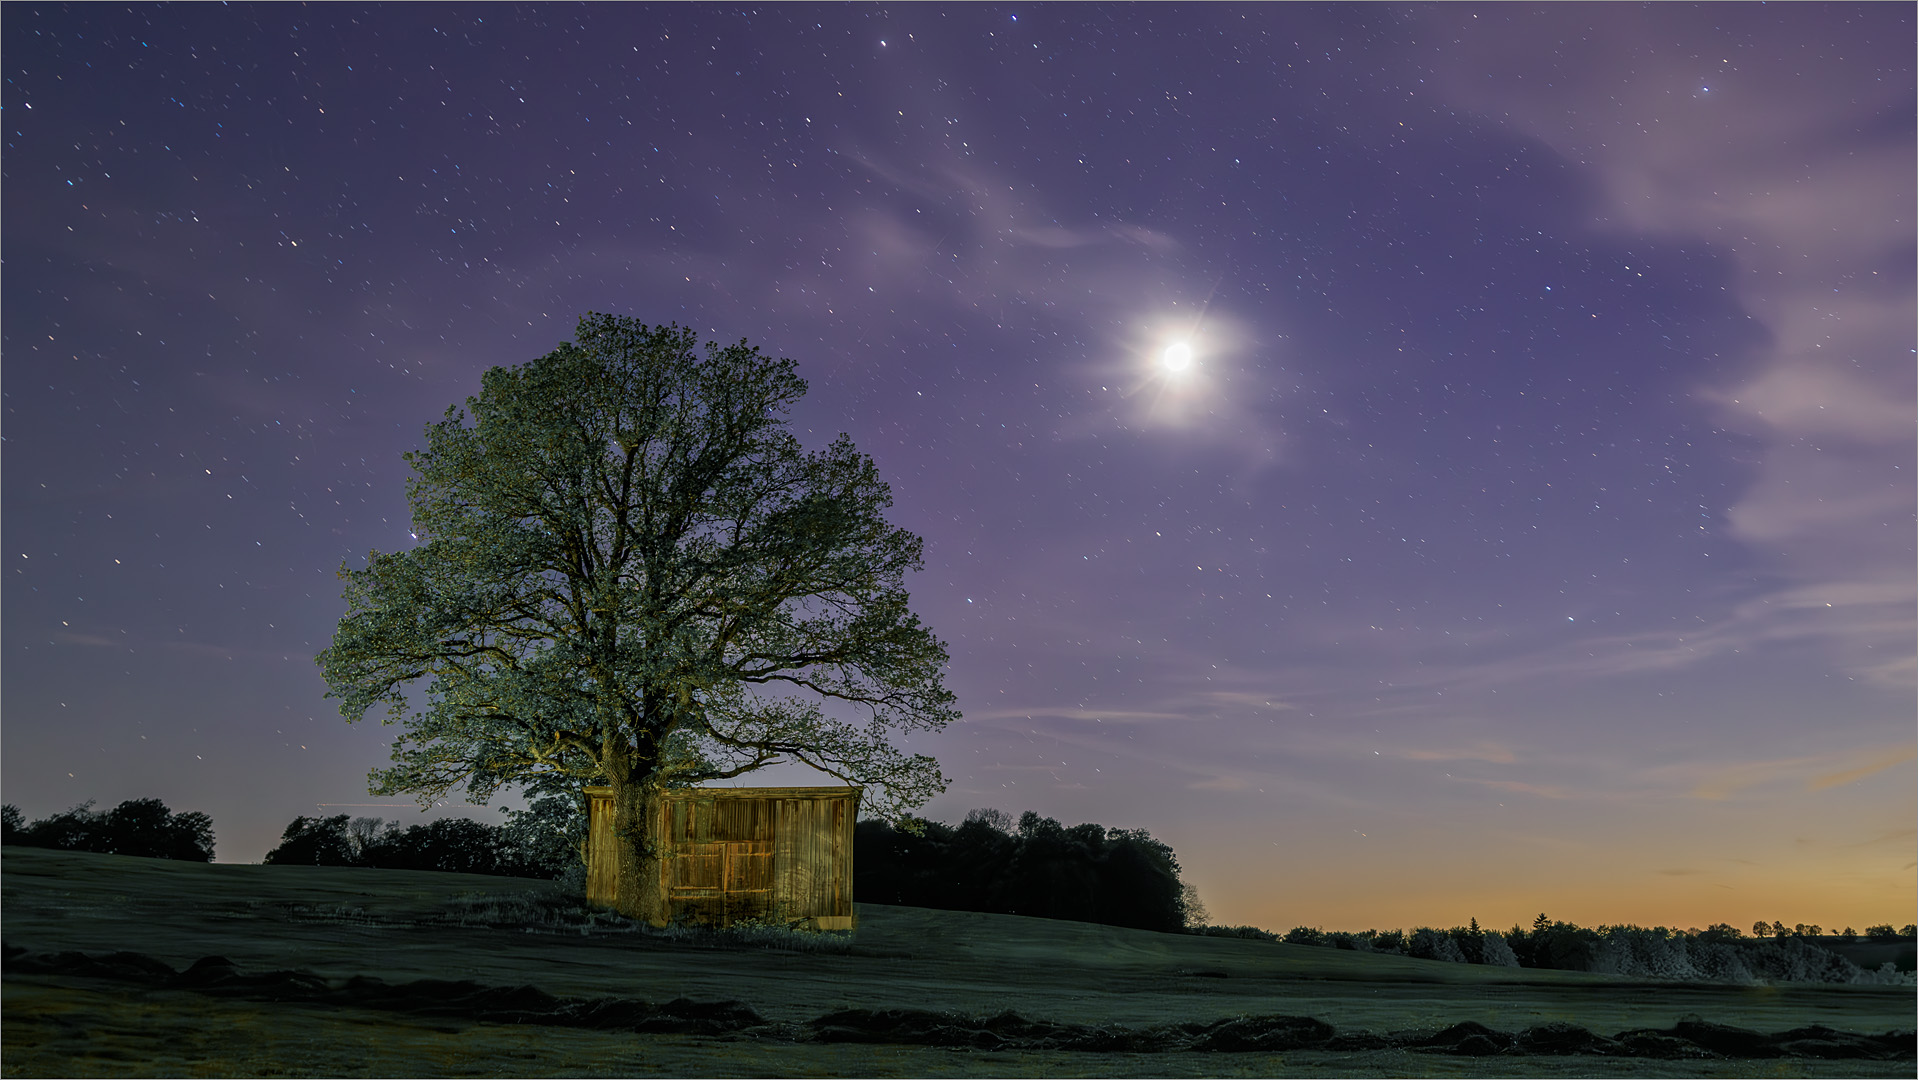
point(630, 572)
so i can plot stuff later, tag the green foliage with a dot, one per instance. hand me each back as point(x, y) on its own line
point(1305, 935)
point(142, 827)
point(629, 571)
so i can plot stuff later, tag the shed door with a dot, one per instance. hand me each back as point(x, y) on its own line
point(721, 882)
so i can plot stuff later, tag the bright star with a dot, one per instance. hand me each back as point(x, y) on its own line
point(1177, 357)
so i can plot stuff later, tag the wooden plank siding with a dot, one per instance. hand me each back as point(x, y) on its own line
point(778, 854)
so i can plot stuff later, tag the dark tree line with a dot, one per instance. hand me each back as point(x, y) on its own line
point(143, 827)
point(1087, 873)
point(1719, 953)
point(533, 844)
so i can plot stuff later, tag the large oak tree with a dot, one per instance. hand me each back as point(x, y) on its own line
point(630, 572)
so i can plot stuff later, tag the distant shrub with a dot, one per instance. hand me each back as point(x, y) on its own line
point(1430, 944)
point(1305, 935)
point(1796, 960)
point(1719, 961)
point(1563, 946)
point(1359, 942)
point(1886, 974)
point(1470, 941)
point(1388, 941)
point(1881, 934)
point(1657, 953)
point(140, 827)
point(1719, 953)
point(1496, 952)
point(1250, 933)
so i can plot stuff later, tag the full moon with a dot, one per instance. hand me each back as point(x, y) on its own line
point(1177, 357)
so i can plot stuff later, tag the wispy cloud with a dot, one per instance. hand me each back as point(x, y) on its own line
point(1814, 772)
point(1879, 762)
point(1520, 787)
point(1807, 196)
point(1722, 782)
point(1496, 754)
point(1074, 712)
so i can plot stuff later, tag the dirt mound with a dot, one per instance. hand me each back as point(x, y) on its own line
point(1692, 1037)
point(1005, 1031)
point(461, 1000)
point(1563, 1038)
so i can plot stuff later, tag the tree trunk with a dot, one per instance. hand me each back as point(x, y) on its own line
point(640, 890)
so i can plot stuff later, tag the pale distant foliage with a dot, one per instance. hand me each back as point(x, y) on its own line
point(1430, 944)
point(1497, 952)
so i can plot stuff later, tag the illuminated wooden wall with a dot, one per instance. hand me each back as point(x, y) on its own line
point(775, 854)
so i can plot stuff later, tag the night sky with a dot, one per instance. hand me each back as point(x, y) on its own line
point(1531, 529)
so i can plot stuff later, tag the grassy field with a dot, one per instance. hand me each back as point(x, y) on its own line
point(401, 926)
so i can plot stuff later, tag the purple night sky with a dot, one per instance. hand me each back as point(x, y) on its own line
point(1532, 529)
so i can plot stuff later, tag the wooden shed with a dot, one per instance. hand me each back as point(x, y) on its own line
point(778, 854)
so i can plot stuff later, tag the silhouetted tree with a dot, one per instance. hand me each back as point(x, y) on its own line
point(533, 845)
point(450, 845)
point(1564, 946)
point(139, 827)
point(1088, 873)
point(316, 842)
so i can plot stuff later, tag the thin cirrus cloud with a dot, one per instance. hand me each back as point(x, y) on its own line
point(1489, 752)
point(1813, 772)
point(1879, 762)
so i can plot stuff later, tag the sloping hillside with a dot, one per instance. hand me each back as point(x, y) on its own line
point(401, 926)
